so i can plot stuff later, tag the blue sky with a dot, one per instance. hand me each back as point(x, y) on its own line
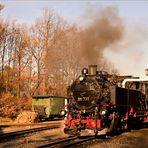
point(134, 57)
point(71, 9)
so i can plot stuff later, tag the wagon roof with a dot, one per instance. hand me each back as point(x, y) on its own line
point(47, 96)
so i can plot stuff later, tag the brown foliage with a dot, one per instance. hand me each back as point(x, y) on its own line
point(10, 106)
point(46, 57)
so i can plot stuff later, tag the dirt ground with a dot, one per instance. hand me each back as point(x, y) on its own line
point(133, 139)
point(36, 139)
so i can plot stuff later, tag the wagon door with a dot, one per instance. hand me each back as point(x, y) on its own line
point(57, 104)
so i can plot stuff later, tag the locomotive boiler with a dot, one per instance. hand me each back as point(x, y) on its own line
point(98, 104)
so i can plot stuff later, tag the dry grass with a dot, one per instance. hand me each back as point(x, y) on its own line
point(6, 121)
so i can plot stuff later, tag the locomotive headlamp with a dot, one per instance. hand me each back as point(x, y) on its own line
point(63, 112)
point(103, 112)
point(81, 78)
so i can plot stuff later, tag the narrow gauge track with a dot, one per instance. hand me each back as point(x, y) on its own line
point(73, 141)
point(69, 142)
point(13, 134)
point(31, 124)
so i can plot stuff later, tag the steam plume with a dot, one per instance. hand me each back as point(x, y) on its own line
point(104, 30)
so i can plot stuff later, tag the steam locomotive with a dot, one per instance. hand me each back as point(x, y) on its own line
point(100, 103)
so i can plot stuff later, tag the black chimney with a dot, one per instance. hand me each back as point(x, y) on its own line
point(92, 69)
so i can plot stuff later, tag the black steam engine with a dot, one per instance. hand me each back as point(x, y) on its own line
point(99, 104)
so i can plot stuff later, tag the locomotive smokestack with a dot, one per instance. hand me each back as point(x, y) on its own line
point(92, 69)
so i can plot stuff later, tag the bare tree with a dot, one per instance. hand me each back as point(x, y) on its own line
point(41, 37)
point(3, 45)
point(20, 61)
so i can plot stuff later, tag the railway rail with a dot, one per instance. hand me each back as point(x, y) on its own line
point(69, 142)
point(13, 134)
point(30, 124)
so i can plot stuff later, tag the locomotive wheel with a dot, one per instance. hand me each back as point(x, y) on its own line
point(136, 123)
point(115, 125)
point(133, 123)
point(111, 127)
point(130, 123)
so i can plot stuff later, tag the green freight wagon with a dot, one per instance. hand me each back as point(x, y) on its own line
point(48, 107)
